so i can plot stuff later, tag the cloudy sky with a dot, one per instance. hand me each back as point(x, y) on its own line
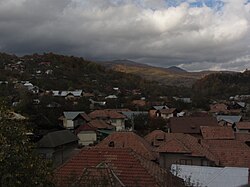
point(192, 34)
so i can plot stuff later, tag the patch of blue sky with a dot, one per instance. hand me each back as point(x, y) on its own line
point(214, 4)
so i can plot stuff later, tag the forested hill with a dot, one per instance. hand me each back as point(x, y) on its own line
point(51, 71)
point(223, 85)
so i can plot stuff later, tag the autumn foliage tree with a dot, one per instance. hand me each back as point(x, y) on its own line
point(19, 164)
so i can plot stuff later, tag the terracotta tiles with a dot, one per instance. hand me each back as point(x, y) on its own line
point(100, 124)
point(243, 137)
point(182, 143)
point(217, 133)
point(155, 138)
point(190, 125)
point(107, 114)
point(219, 108)
point(129, 140)
point(120, 166)
point(243, 125)
point(173, 146)
point(84, 127)
point(167, 111)
point(232, 153)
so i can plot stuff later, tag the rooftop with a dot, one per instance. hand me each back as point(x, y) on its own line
point(112, 114)
point(129, 140)
point(217, 133)
point(190, 124)
point(127, 167)
point(57, 138)
point(243, 125)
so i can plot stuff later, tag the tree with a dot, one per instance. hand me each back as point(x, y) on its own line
point(19, 164)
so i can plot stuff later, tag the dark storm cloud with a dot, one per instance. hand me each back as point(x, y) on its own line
point(148, 31)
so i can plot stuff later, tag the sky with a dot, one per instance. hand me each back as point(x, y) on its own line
point(191, 34)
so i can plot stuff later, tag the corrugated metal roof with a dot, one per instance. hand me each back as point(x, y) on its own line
point(212, 176)
point(131, 114)
point(57, 138)
point(72, 115)
point(160, 107)
point(230, 119)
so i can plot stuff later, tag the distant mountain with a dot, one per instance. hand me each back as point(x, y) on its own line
point(121, 62)
point(171, 76)
point(176, 69)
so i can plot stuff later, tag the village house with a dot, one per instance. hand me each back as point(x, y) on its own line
point(181, 149)
point(57, 146)
point(93, 132)
point(86, 135)
point(222, 142)
point(190, 125)
point(166, 113)
point(111, 166)
point(69, 95)
point(211, 176)
point(231, 153)
point(155, 138)
point(110, 116)
point(129, 140)
point(154, 109)
point(73, 119)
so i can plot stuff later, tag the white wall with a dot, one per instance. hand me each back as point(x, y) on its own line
point(86, 137)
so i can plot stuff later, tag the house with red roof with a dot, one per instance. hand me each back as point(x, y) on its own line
point(113, 167)
point(129, 140)
point(191, 125)
point(179, 148)
point(184, 149)
point(166, 113)
point(111, 117)
point(230, 148)
point(86, 135)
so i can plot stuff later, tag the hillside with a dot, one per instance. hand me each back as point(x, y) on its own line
point(165, 76)
point(58, 72)
point(162, 75)
point(223, 85)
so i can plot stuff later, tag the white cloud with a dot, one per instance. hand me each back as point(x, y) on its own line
point(149, 30)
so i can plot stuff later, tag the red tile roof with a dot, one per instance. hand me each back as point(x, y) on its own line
point(100, 124)
point(173, 146)
point(231, 153)
point(155, 138)
point(167, 111)
point(106, 114)
point(185, 143)
point(219, 107)
point(243, 137)
point(243, 125)
point(217, 133)
point(129, 140)
point(190, 125)
point(84, 127)
point(123, 165)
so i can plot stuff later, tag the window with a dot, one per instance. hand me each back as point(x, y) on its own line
point(204, 162)
point(186, 162)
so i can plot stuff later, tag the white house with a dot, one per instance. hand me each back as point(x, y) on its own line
point(72, 120)
point(204, 176)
